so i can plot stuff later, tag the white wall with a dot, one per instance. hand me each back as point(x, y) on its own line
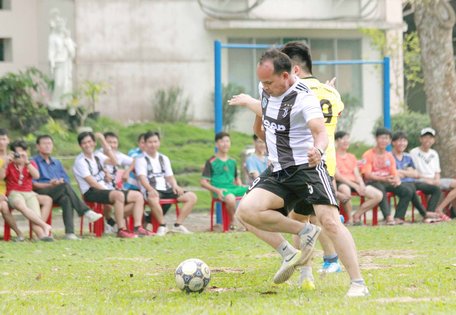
point(19, 23)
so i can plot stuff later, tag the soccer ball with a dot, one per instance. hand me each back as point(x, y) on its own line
point(192, 275)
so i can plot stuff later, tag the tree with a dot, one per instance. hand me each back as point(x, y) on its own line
point(434, 21)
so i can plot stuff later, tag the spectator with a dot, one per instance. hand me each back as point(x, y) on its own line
point(348, 179)
point(4, 160)
point(257, 162)
point(123, 161)
point(379, 170)
point(93, 181)
point(54, 182)
point(408, 174)
point(131, 181)
point(427, 162)
point(157, 182)
point(19, 174)
point(220, 176)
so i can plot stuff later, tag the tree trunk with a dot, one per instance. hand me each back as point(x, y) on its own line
point(434, 21)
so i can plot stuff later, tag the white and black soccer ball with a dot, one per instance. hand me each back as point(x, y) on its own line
point(192, 275)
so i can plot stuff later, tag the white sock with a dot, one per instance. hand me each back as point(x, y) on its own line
point(285, 249)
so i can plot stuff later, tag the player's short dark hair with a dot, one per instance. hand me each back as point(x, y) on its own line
point(18, 144)
point(40, 137)
point(141, 136)
point(85, 134)
point(299, 54)
point(340, 134)
point(281, 62)
point(382, 131)
point(221, 135)
point(151, 134)
point(399, 135)
point(3, 132)
point(110, 134)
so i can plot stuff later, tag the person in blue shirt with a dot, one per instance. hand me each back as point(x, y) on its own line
point(257, 162)
point(409, 175)
point(55, 183)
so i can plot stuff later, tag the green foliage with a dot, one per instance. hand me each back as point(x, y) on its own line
point(409, 122)
point(22, 99)
point(351, 107)
point(229, 112)
point(83, 102)
point(412, 62)
point(378, 39)
point(170, 105)
point(408, 269)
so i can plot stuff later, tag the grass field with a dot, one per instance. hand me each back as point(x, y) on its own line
point(409, 269)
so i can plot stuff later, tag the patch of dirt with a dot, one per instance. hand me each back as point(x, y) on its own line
point(228, 270)
point(217, 289)
point(367, 258)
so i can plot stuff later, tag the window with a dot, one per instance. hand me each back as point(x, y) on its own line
point(5, 4)
point(5, 50)
point(242, 62)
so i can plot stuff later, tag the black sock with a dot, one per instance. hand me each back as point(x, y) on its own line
point(164, 224)
point(111, 221)
point(176, 224)
point(136, 228)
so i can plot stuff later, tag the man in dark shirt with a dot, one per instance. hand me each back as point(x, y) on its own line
point(55, 183)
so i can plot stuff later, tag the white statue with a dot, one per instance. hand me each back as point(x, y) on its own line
point(61, 53)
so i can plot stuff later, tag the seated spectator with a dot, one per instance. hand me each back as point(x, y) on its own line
point(94, 180)
point(220, 176)
point(408, 174)
point(157, 182)
point(18, 175)
point(348, 179)
point(379, 170)
point(131, 181)
point(257, 162)
point(123, 161)
point(55, 183)
point(427, 163)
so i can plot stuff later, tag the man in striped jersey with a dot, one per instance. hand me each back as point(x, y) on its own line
point(296, 139)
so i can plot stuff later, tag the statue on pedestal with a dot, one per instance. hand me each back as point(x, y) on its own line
point(61, 52)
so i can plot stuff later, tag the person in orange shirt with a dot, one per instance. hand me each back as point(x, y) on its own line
point(379, 170)
point(348, 179)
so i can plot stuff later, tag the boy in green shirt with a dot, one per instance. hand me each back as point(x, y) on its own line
point(220, 175)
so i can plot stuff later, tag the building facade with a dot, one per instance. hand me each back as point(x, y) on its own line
point(141, 46)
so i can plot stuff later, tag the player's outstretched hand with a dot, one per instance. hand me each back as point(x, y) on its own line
point(241, 100)
point(332, 82)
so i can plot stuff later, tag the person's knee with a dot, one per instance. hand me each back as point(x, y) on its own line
point(345, 189)
point(4, 207)
point(117, 196)
point(191, 197)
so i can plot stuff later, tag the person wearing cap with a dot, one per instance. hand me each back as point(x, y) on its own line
point(409, 175)
point(427, 162)
point(379, 170)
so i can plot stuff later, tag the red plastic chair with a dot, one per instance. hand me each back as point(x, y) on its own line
point(7, 228)
point(98, 226)
point(389, 195)
point(225, 215)
point(153, 220)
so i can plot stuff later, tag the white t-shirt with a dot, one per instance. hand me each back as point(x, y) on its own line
point(123, 161)
point(155, 169)
point(84, 166)
point(427, 163)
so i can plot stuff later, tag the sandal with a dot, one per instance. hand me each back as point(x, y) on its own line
point(390, 222)
point(431, 220)
point(358, 223)
point(444, 217)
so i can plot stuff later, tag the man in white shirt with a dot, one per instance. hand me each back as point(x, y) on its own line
point(94, 180)
point(123, 161)
point(427, 163)
point(157, 180)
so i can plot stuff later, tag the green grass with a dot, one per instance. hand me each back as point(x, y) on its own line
point(409, 270)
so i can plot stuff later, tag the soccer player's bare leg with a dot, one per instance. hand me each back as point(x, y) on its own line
point(341, 238)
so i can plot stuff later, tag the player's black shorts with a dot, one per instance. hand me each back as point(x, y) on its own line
point(101, 195)
point(299, 186)
point(165, 194)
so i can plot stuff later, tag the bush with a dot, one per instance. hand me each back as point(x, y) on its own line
point(22, 99)
point(170, 105)
point(409, 122)
point(229, 112)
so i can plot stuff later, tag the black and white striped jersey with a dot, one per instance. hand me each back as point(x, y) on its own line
point(288, 137)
